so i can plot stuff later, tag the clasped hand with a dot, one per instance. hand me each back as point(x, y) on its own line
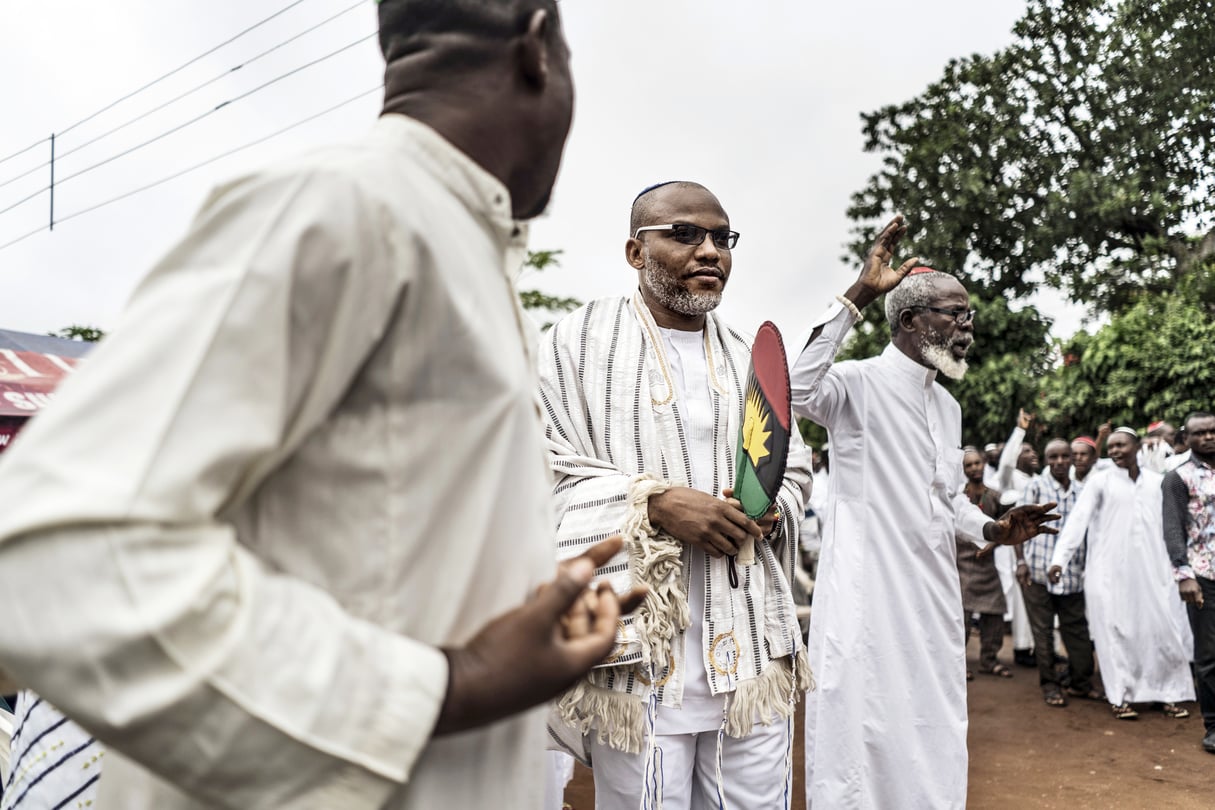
point(718, 526)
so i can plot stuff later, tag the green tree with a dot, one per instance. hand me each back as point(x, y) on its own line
point(1080, 156)
point(539, 260)
point(1152, 361)
point(89, 334)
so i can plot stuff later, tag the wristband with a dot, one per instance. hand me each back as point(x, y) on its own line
point(856, 313)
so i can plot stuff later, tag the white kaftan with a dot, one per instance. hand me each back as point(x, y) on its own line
point(1136, 617)
point(886, 727)
point(235, 541)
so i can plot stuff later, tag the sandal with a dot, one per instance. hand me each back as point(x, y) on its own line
point(1053, 697)
point(999, 670)
point(970, 676)
point(1091, 694)
point(1174, 711)
point(1124, 712)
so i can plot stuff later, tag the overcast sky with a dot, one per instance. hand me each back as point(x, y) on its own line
point(759, 101)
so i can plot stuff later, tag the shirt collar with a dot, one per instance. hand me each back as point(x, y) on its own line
point(478, 189)
point(893, 356)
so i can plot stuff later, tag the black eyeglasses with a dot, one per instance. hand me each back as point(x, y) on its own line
point(960, 316)
point(685, 234)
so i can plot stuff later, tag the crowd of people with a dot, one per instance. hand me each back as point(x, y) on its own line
point(302, 534)
point(1117, 578)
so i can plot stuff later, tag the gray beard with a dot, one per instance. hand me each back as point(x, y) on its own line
point(941, 358)
point(667, 292)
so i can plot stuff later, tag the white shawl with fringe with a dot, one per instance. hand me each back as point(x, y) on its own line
point(615, 436)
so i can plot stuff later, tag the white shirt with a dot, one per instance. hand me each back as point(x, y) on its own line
point(887, 618)
point(252, 517)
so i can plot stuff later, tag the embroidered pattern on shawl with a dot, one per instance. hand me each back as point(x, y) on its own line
point(615, 436)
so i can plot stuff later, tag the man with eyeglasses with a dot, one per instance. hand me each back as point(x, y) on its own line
point(886, 725)
point(643, 396)
point(1189, 534)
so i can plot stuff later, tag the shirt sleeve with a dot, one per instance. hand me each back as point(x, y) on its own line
point(1008, 458)
point(129, 600)
point(817, 393)
point(969, 520)
point(1175, 507)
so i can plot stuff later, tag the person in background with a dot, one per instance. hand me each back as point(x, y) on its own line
point(1136, 618)
point(981, 589)
point(1189, 534)
point(1018, 464)
point(1063, 601)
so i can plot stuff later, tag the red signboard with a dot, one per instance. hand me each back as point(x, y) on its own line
point(27, 380)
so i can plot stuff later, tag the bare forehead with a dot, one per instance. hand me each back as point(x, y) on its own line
point(947, 289)
point(685, 203)
point(1058, 445)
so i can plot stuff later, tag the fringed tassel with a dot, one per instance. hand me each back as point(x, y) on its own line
point(619, 718)
point(656, 560)
point(770, 696)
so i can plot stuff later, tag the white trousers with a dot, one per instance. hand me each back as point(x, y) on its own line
point(753, 772)
point(1006, 564)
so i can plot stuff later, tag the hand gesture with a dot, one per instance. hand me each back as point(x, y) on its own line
point(559, 634)
point(1018, 525)
point(1104, 430)
point(1024, 419)
point(1190, 592)
point(877, 274)
point(1023, 573)
point(716, 526)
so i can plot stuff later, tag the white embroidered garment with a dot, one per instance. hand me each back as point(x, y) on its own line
point(616, 429)
point(309, 456)
point(1137, 619)
point(886, 725)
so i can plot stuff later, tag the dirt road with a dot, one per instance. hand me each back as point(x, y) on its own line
point(1025, 754)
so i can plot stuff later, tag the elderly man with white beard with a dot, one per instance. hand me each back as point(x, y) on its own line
point(886, 726)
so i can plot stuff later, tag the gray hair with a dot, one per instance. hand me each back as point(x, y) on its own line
point(913, 291)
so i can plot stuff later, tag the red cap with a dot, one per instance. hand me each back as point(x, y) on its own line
point(1085, 440)
point(915, 271)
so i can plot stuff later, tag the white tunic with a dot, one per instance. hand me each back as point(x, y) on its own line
point(233, 544)
point(886, 727)
point(1136, 617)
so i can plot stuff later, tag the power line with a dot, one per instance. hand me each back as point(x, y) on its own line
point(193, 120)
point(21, 152)
point(182, 66)
point(175, 99)
point(196, 166)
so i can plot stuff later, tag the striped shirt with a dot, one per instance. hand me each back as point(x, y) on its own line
point(1043, 488)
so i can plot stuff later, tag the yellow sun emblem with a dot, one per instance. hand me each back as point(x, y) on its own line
point(755, 423)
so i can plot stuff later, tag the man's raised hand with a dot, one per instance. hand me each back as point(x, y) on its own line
point(878, 276)
point(536, 651)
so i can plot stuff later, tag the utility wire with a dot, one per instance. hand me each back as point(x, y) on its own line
point(193, 120)
point(196, 166)
point(21, 152)
point(175, 99)
point(182, 66)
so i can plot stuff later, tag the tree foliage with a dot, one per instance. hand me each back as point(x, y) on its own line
point(89, 334)
point(1152, 361)
point(539, 260)
point(1080, 156)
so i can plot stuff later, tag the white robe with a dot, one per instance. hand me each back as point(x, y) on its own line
point(1137, 620)
point(886, 726)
